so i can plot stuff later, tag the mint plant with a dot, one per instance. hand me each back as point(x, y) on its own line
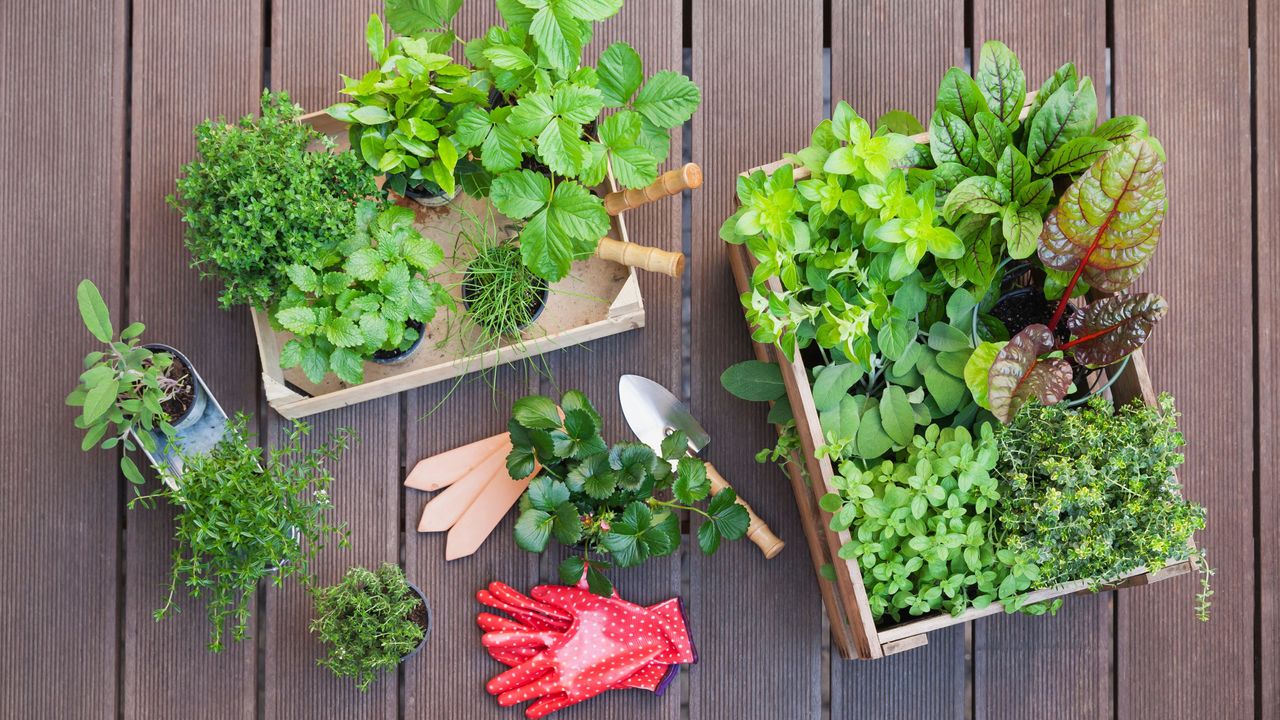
point(257, 200)
point(368, 622)
point(124, 388)
point(361, 298)
point(620, 503)
point(404, 113)
point(244, 514)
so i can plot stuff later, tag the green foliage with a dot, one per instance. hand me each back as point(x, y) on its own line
point(1091, 492)
point(257, 200)
point(501, 294)
point(361, 297)
point(364, 623)
point(920, 526)
point(243, 515)
point(610, 501)
point(123, 388)
point(405, 113)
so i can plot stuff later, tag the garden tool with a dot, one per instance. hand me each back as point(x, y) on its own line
point(609, 643)
point(652, 259)
point(478, 492)
point(654, 413)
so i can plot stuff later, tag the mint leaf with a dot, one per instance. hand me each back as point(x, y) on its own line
point(620, 73)
point(347, 365)
point(422, 253)
point(364, 264)
point(299, 320)
point(315, 363)
point(668, 99)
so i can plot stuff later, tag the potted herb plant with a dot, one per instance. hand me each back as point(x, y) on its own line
point(501, 296)
point(369, 622)
point(131, 395)
point(367, 299)
point(935, 302)
point(258, 200)
point(244, 514)
point(404, 114)
point(618, 504)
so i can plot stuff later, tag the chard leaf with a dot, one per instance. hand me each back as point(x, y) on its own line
point(951, 140)
point(1018, 374)
point(977, 371)
point(1110, 329)
point(1002, 82)
point(1074, 156)
point(1109, 220)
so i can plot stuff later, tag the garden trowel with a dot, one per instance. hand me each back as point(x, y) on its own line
point(654, 413)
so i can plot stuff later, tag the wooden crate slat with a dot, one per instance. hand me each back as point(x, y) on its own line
point(62, 521)
point(1015, 650)
point(1168, 664)
point(308, 51)
point(653, 28)
point(761, 96)
point(1267, 105)
point(183, 74)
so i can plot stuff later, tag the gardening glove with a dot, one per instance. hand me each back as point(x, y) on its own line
point(611, 643)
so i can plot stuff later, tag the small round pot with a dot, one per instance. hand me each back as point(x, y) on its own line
point(199, 400)
point(543, 293)
point(426, 632)
point(391, 358)
point(431, 198)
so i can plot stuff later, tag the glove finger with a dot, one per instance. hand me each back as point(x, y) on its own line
point(494, 623)
point(512, 657)
point(532, 619)
point(548, 705)
point(670, 618)
point(519, 675)
point(519, 638)
point(514, 597)
point(546, 685)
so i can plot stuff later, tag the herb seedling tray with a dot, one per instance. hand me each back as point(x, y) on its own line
point(597, 299)
point(844, 596)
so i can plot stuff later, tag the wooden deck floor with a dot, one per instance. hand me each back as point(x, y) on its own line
point(98, 102)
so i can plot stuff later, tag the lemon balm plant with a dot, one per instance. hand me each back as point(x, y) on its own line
point(369, 295)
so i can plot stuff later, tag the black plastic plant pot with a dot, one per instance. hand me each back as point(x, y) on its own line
point(391, 357)
point(468, 289)
point(424, 622)
point(198, 428)
point(430, 196)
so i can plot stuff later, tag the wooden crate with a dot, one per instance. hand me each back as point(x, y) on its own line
point(598, 298)
point(853, 630)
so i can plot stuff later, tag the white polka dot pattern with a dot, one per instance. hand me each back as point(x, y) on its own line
point(566, 644)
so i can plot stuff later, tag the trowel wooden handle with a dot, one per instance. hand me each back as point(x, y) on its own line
point(758, 532)
point(641, 256)
point(669, 183)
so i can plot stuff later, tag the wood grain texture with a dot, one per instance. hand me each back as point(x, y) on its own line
point(1170, 665)
point(59, 609)
point(1013, 653)
point(183, 74)
point(653, 28)
point(447, 678)
point(915, 41)
point(309, 50)
point(891, 54)
point(763, 618)
point(1267, 172)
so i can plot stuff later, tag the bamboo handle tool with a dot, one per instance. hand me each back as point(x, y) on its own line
point(641, 256)
point(669, 183)
point(758, 531)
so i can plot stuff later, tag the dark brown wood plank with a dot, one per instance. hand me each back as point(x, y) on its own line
point(308, 51)
point(61, 609)
point(890, 55)
point(1185, 66)
point(1266, 50)
point(654, 29)
point(913, 43)
point(758, 622)
point(1013, 653)
point(448, 677)
point(182, 74)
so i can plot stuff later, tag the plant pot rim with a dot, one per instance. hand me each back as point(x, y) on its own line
point(430, 621)
point(198, 396)
point(544, 296)
point(405, 355)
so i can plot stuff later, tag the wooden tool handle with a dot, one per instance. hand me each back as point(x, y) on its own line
point(758, 532)
point(669, 183)
point(641, 256)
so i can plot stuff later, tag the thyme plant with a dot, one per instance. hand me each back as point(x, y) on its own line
point(368, 622)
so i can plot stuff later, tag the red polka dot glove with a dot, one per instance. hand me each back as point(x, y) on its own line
point(607, 644)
